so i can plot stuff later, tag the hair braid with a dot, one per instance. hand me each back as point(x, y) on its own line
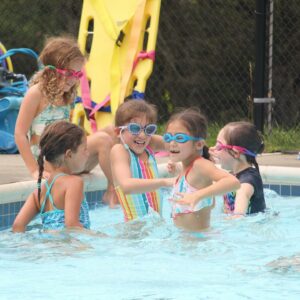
point(254, 162)
point(41, 170)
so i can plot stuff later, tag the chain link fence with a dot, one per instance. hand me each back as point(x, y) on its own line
point(286, 63)
point(205, 53)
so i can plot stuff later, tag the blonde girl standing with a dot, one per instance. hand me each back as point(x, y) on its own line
point(49, 99)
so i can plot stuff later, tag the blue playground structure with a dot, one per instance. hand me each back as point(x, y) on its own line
point(12, 90)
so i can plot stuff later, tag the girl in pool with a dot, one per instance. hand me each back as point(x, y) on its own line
point(60, 201)
point(133, 163)
point(199, 179)
point(238, 144)
point(49, 98)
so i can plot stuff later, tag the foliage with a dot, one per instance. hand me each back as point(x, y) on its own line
point(279, 139)
point(283, 140)
point(205, 53)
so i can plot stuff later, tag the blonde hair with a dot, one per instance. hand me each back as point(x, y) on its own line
point(59, 52)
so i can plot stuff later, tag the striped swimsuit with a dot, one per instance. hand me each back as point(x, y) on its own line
point(138, 205)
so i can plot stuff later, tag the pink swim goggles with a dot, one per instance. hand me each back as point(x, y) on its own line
point(219, 146)
point(66, 72)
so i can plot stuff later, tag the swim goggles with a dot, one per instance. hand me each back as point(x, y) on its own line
point(67, 72)
point(179, 138)
point(135, 128)
point(219, 146)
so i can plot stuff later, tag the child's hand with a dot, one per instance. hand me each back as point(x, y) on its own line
point(173, 168)
point(186, 199)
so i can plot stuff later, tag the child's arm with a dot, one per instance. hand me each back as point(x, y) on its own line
point(28, 211)
point(73, 198)
point(157, 143)
point(242, 198)
point(223, 182)
point(28, 110)
point(120, 164)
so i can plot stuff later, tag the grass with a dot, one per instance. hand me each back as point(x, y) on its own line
point(284, 140)
point(278, 140)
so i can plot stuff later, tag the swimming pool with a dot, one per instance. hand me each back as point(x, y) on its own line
point(151, 259)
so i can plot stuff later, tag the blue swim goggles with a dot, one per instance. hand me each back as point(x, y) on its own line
point(179, 138)
point(135, 128)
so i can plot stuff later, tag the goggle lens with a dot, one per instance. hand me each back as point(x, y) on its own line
point(179, 138)
point(135, 128)
point(150, 129)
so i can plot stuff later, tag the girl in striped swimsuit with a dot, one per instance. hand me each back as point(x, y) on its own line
point(133, 163)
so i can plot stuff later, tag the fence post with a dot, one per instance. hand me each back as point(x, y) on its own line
point(260, 56)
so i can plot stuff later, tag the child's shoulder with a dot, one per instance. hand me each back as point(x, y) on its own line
point(118, 147)
point(118, 151)
point(34, 93)
point(202, 165)
point(69, 181)
point(36, 88)
point(201, 161)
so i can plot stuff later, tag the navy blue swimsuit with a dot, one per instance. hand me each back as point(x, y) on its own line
point(257, 201)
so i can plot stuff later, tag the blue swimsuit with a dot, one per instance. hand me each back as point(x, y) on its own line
point(55, 219)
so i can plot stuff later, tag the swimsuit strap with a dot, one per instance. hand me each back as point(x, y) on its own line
point(191, 165)
point(188, 169)
point(48, 193)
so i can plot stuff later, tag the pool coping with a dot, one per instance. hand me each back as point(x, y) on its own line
point(283, 180)
point(96, 181)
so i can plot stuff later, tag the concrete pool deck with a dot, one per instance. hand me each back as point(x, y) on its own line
point(12, 167)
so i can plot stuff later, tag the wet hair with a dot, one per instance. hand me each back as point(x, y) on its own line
point(195, 123)
point(59, 52)
point(56, 139)
point(245, 134)
point(134, 108)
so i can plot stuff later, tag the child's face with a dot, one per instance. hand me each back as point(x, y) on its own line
point(223, 156)
point(137, 142)
point(77, 160)
point(70, 81)
point(181, 151)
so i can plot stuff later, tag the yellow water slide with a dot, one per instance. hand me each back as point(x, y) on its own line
point(8, 60)
point(118, 37)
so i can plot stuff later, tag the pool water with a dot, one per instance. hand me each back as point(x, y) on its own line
point(252, 258)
